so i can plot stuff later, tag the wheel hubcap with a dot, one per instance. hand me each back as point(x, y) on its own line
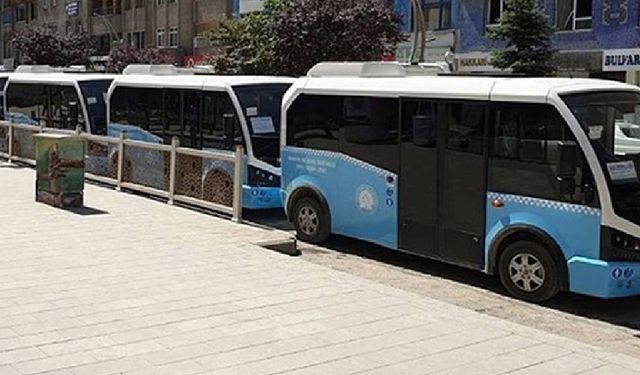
point(526, 272)
point(308, 220)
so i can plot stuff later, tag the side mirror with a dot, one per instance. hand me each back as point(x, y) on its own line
point(229, 130)
point(73, 114)
point(567, 160)
point(567, 167)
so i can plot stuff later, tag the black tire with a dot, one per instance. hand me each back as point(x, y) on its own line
point(538, 280)
point(311, 220)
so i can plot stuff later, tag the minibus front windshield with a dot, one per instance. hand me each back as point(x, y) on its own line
point(261, 109)
point(612, 123)
point(93, 93)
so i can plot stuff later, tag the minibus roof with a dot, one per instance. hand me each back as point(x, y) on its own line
point(59, 78)
point(205, 82)
point(454, 87)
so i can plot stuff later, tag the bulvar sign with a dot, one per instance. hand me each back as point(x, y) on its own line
point(620, 60)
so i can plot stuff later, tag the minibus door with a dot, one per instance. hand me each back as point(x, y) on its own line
point(462, 183)
point(418, 188)
point(442, 184)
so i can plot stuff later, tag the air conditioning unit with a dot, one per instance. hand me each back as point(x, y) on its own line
point(200, 41)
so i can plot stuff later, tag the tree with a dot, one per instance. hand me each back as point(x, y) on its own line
point(124, 55)
point(246, 45)
point(527, 31)
point(311, 31)
point(290, 36)
point(44, 45)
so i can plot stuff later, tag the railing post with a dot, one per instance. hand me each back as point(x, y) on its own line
point(10, 140)
point(237, 184)
point(175, 142)
point(120, 161)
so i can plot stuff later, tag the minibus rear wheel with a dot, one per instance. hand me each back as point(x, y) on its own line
point(311, 220)
point(529, 272)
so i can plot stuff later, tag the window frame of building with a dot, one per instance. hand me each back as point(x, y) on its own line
point(490, 19)
point(161, 37)
point(173, 36)
point(443, 9)
point(21, 13)
point(570, 22)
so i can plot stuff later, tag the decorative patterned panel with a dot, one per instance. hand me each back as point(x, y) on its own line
point(98, 161)
point(615, 12)
point(205, 179)
point(4, 139)
point(146, 167)
point(24, 143)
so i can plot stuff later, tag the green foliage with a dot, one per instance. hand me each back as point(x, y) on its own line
point(290, 36)
point(527, 31)
point(125, 54)
point(44, 45)
point(247, 44)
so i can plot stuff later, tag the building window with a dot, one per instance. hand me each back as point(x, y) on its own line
point(21, 13)
point(7, 16)
point(136, 39)
point(160, 41)
point(8, 50)
point(170, 1)
point(494, 11)
point(160, 2)
point(438, 14)
point(173, 37)
point(574, 14)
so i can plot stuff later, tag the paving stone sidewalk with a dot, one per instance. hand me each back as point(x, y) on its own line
point(136, 286)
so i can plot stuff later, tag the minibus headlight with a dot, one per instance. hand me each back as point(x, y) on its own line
point(625, 242)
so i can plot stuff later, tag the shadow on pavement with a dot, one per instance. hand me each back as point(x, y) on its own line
point(622, 312)
point(87, 211)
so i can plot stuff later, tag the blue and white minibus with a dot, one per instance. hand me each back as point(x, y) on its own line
point(207, 112)
point(44, 97)
point(517, 177)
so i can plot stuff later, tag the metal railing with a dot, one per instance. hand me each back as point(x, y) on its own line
point(203, 178)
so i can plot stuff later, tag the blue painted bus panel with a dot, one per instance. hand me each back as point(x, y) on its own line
point(604, 279)
point(362, 198)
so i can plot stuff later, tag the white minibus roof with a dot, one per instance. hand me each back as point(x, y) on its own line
point(57, 78)
point(205, 82)
point(454, 87)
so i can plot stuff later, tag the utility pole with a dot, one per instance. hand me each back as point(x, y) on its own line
point(419, 38)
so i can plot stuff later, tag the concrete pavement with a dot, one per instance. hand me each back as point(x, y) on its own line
point(135, 286)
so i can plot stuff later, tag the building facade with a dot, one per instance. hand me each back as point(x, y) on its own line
point(593, 38)
point(173, 25)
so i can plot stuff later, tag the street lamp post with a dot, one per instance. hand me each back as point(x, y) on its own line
point(419, 39)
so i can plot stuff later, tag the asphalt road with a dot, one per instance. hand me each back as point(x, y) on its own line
point(611, 324)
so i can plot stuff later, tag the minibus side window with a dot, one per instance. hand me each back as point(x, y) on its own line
point(27, 103)
point(62, 98)
point(465, 126)
point(313, 121)
point(172, 125)
point(141, 107)
point(191, 119)
point(215, 106)
point(420, 123)
point(524, 152)
point(369, 131)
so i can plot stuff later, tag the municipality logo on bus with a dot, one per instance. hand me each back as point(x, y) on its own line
point(366, 199)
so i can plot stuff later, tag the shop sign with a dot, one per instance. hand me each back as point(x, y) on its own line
point(621, 60)
point(72, 8)
point(475, 62)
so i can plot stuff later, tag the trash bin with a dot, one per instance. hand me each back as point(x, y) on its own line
point(60, 169)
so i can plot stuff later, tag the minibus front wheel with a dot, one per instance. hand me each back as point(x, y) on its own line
point(311, 220)
point(529, 272)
